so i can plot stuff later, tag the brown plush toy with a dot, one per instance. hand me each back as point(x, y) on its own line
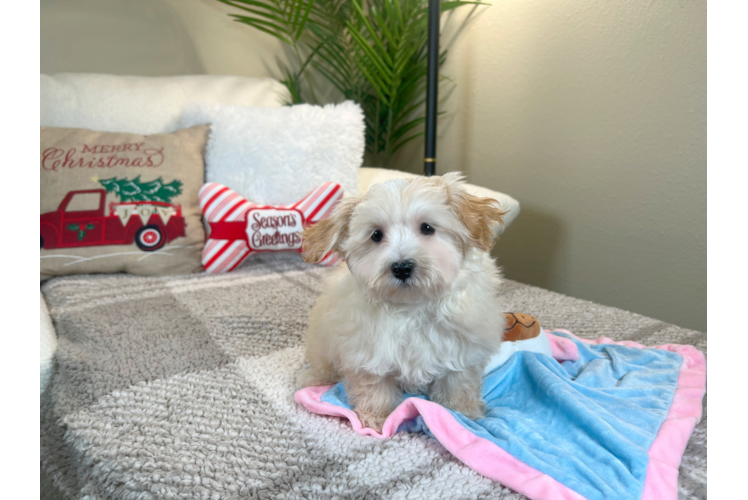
point(520, 327)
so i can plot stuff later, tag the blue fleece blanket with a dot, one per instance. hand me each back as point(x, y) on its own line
point(588, 424)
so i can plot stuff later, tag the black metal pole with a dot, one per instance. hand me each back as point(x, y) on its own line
point(432, 85)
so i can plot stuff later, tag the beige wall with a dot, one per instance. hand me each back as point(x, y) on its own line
point(718, 60)
point(592, 114)
point(152, 38)
point(141, 37)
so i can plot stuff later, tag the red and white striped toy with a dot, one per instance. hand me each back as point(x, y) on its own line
point(239, 227)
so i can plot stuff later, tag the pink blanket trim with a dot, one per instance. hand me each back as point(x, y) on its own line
point(563, 349)
point(486, 458)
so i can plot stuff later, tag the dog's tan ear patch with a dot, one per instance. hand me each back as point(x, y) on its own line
point(327, 234)
point(317, 240)
point(480, 216)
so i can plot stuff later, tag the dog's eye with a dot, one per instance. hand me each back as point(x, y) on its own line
point(426, 229)
point(377, 236)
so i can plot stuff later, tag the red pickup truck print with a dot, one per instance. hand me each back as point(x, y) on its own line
point(80, 221)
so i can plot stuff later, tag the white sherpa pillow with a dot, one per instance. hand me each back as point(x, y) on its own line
point(144, 105)
point(276, 156)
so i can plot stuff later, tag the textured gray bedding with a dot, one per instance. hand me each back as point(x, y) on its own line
point(183, 388)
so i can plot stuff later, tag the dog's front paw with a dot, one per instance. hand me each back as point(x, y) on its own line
point(460, 391)
point(470, 406)
point(309, 377)
point(371, 420)
point(472, 410)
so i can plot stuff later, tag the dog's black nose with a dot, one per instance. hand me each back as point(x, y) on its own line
point(402, 270)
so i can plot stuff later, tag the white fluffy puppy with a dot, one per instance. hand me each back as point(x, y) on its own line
point(415, 305)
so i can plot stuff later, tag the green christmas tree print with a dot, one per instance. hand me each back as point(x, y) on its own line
point(136, 190)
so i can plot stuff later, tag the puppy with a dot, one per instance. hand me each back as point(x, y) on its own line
point(414, 308)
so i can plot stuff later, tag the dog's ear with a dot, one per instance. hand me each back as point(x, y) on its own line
point(327, 234)
point(479, 215)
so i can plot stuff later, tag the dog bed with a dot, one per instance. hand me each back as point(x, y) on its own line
point(183, 387)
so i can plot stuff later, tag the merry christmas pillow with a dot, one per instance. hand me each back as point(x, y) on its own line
point(116, 202)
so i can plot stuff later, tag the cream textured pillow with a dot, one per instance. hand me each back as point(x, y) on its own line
point(116, 202)
point(144, 104)
point(276, 156)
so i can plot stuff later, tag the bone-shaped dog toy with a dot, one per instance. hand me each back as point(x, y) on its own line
point(237, 227)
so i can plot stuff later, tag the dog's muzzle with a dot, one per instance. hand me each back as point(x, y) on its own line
point(403, 270)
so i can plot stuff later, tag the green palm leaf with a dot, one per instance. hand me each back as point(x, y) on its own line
point(371, 51)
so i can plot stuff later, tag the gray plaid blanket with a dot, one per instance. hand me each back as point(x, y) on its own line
point(183, 388)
